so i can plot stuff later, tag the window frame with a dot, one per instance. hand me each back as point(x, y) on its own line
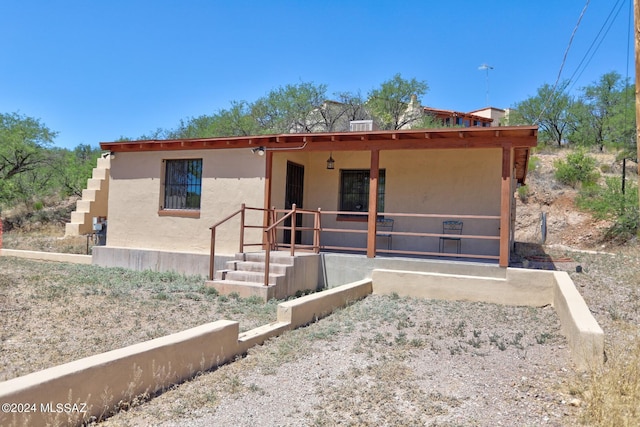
point(364, 194)
point(189, 188)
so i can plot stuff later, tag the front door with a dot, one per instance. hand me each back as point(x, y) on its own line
point(294, 193)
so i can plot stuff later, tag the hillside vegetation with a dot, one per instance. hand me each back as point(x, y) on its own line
point(591, 215)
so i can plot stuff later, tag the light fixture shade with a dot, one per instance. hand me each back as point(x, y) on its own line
point(258, 150)
point(331, 164)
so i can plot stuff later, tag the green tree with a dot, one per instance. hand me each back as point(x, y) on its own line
point(388, 103)
point(23, 150)
point(334, 116)
point(235, 121)
point(605, 114)
point(354, 106)
point(22, 144)
point(551, 110)
point(73, 168)
point(288, 108)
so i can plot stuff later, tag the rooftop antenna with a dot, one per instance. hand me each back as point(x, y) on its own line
point(486, 67)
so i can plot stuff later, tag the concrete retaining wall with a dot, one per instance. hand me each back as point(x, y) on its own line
point(335, 269)
point(155, 260)
point(98, 383)
point(338, 269)
point(304, 310)
point(585, 336)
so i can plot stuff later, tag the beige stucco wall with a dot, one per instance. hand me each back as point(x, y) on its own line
point(230, 178)
point(417, 181)
point(450, 182)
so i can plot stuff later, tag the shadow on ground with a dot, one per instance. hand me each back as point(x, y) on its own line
point(535, 256)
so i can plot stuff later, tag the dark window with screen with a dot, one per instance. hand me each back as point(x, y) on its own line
point(354, 190)
point(182, 184)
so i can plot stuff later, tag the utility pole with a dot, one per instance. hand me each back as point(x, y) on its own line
point(636, 32)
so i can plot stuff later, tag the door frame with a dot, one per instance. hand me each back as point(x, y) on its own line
point(293, 193)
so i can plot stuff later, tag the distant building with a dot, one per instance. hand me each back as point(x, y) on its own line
point(450, 118)
point(498, 115)
point(486, 117)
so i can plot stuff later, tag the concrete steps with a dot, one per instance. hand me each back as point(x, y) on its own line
point(93, 202)
point(245, 275)
point(249, 268)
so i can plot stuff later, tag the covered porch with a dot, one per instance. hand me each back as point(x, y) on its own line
point(390, 193)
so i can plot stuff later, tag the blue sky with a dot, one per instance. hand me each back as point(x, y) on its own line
point(97, 70)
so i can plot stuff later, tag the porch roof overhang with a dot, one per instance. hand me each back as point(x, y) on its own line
point(519, 138)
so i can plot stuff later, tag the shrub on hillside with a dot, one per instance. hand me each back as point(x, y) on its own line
point(608, 202)
point(523, 193)
point(579, 168)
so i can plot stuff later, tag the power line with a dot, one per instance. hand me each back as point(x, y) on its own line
point(564, 60)
point(608, 23)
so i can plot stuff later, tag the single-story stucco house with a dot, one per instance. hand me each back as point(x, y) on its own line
point(377, 193)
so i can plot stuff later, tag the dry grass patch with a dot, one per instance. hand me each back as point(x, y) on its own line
point(46, 238)
point(610, 284)
point(53, 313)
point(611, 393)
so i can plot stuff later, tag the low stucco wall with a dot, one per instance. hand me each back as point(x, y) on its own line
point(517, 288)
point(96, 384)
point(520, 287)
point(47, 256)
point(309, 308)
point(304, 310)
point(585, 336)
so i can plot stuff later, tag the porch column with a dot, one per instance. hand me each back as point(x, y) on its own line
point(267, 193)
point(505, 206)
point(374, 172)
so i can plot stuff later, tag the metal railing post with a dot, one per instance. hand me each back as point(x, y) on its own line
point(316, 232)
point(293, 229)
point(274, 218)
point(242, 228)
point(213, 250)
point(267, 256)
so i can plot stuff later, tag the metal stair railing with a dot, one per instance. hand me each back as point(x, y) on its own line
point(270, 239)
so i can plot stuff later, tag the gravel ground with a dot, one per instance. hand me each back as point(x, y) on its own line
point(387, 361)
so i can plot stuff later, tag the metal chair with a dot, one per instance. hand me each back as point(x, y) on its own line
point(386, 226)
point(451, 228)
